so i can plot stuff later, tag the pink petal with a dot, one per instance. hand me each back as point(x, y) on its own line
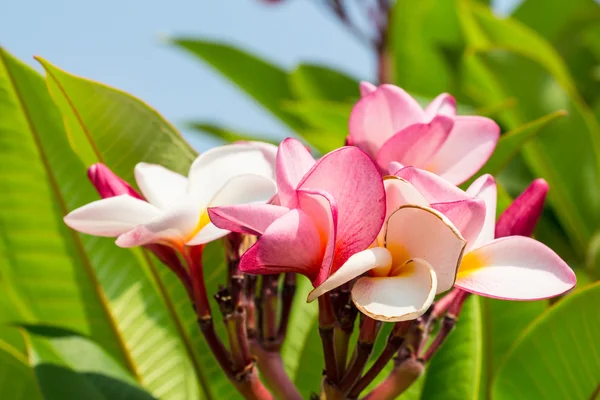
point(252, 219)
point(484, 188)
point(353, 180)
point(522, 215)
point(108, 184)
point(415, 144)
point(358, 264)
point(366, 88)
point(403, 297)
point(293, 162)
point(290, 244)
point(381, 114)
point(420, 232)
point(515, 268)
point(470, 144)
point(444, 104)
point(468, 216)
point(431, 186)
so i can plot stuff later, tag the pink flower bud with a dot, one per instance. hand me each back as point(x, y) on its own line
point(523, 214)
point(108, 184)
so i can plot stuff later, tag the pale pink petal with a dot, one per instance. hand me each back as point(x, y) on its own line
point(403, 297)
point(484, 188)
point(160, 186)
point(394, 167)
point(515, 268)
point(444, 104)
point(421, 232)
point(243, 189)
point(522, 215)
point(293, 162)
point(470, 144)
point(215, 167)
point(111, 216)
point(252, 219)
point(366, 88)
point(358, 264)
point(381, 114)
point(352, 179)
point(468, 216)
point(415, 144)
point(431, 186)
point(290, 244)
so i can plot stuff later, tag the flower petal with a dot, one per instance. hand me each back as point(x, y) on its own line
point(515, 268)
point(215, 167)
point(397, 298)
point(484, 188)
point(366, 88)
point(206, 234)
point(379, 115)
point(421, 232)
point(353, 181)
point(293, 162)
point(160, 186)
point(444, 104)
point(522, 215)
point(252, 219)
point(470, 144)
point(111, 216)
point(108, 184)
point(415, 144)
point(431, 186)
point(290, 244)
point(356, 265)
point(244, 189)
point(468, 216)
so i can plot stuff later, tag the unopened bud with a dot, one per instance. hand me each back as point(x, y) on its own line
point(523, 214)
point(108, 184)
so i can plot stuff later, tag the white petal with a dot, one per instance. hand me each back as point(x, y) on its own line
point(244, 189)
point(207, 234)
point(215, 167)
point(397, 298)
point(484, 188)
point(160, 186)
point(359, 263)
point(421, 232)
point(111, 216)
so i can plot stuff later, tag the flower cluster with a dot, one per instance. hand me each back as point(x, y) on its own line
point(382, 215)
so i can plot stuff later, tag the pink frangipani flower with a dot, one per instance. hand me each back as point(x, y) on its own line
point(416, 255)
point(512, 267)
point(391, 126)
point(324, 212)
point(174, 212)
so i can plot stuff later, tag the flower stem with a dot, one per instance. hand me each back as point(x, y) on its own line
point(404, 374)
point(326, 323)
point(364, 347)
point(287, 297)
point(270, 305)
point(271, 367)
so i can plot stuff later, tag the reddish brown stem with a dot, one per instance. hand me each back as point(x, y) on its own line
point(402, 376)
point(270, 305)
point(287, 297)
point(271, 367)
point(326, 324)
point(364, 347)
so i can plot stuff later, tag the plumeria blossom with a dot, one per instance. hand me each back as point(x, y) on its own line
point(415, 256)
point(512, 267)
point(324, 212)
point(391, 126)
point(175, 213)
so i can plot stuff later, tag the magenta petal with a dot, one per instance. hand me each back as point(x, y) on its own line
point(108, 184)
point(444, 104)
point(353, 180)
point(252, 219)
point(470, 144)
point(366, 88)
point(380, 114)
point(415, 144)
point(293, 162)
point(290, 244)
point(522, 215)
point(467, 216)
point(431, 186)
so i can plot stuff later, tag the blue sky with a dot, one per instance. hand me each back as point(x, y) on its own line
point(121, 43)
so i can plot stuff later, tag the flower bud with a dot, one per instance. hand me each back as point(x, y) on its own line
point(523, 214)
point(108, 184)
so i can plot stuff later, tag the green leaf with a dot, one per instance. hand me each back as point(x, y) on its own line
point(264, 82)
point(53, 275)
point(558, 356)
point(16, 377)
point(226, 134)
point(317, 82)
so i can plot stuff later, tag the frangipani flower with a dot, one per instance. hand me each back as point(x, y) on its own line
point(175, 213)
point(324, 212)
point(512, 267)
point(390, 125)
point(415, 256)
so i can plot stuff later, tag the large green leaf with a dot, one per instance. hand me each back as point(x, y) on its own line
point(54, 275)
point(263, 81)
point(558, 357)
point(16, 377)
point(316, 82)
